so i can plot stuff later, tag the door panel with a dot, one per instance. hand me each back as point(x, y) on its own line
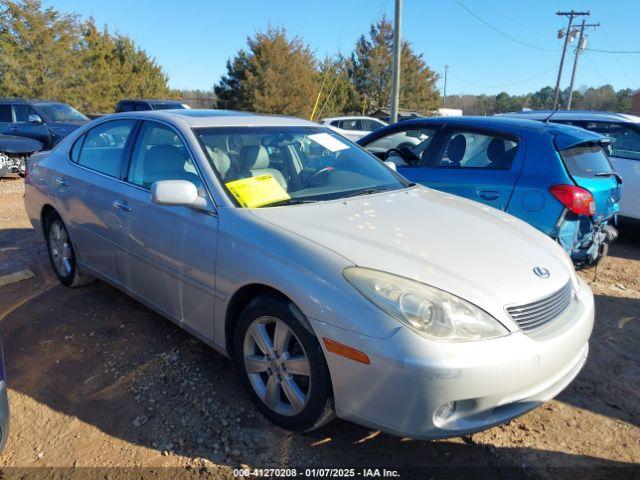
point(629, 170)
point(169, 252)
point(86, 190)
point(169, 258)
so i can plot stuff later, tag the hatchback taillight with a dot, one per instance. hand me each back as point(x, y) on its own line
point(575, 199)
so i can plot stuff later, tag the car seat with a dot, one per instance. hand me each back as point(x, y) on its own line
point(255, 161)
point(498, 155)
point(167, 162)
point(456, 149)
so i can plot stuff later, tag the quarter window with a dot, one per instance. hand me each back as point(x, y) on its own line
point(160, 154)
point(104, 147)
point(464, 149)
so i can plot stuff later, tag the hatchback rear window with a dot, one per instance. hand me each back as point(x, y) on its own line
point(588, 161)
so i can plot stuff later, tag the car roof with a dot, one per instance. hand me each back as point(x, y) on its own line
point(477, 121)
point(198, 118)
point(587, 115)
point(30, 100)
point(565, 136)
point(352, 117)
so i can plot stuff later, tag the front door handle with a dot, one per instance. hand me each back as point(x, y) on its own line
point(489, 194)
point(122, 205)
point(61, 182)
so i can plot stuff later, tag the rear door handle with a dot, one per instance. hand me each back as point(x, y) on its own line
point(489, 194)
point(122, 205)
point(61, 182)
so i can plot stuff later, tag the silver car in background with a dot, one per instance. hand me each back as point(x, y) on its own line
point(336, 286)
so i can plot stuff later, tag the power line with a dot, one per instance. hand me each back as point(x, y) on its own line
point(612, 51)
point(503, 85)
point(500, 32)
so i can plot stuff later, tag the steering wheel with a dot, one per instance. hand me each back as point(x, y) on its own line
point(307, 183)
point(404, 152)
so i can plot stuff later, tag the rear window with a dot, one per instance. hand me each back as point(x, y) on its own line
point(586, 161)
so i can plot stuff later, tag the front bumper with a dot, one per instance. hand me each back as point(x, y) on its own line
point(490, 381)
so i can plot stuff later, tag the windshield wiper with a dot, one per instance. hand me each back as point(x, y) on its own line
point(367, 191)
point(609, 174)
point(289, 201)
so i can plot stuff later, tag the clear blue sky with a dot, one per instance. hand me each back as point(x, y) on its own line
point(192, 40)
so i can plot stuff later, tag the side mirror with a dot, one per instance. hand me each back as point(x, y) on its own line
point(608, 149)
point(35, 118)
point(177, 193)
point(391, 165)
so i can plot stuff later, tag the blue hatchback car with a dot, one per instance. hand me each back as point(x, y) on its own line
point(555, 177)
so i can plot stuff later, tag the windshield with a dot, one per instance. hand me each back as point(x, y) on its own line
point(269, 166)
point(60, 112)
point(586, 161)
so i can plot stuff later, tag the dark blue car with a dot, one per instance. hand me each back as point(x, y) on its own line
point(555, 177)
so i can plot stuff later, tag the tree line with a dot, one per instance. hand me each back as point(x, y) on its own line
point(53, 55)
point(278, 74)
point(48, 54)
point(593, 98)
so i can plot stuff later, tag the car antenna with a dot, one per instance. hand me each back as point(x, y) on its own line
point(546, 120)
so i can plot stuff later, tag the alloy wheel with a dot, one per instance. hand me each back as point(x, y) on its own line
point(60, 248)
point(277, 366)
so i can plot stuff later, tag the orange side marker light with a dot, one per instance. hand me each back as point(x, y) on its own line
point(346, 351)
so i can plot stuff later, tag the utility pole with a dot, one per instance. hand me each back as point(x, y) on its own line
point(395, 85)
point(572, 14)
point(582, 41)
point(444, 90)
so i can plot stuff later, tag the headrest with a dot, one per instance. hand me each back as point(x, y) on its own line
point(498, 154)
point(254, 157)
point(220, 160)
point(457, 148)
point(162, 159)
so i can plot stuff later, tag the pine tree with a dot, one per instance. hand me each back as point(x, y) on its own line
point(275, 75)
point(371, 71)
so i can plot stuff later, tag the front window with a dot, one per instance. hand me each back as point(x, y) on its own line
point(263, 166)
point(60, 112)
point(587, 161)
point(417, 140)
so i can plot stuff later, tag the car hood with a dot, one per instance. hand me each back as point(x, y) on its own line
point(473, 251)
point(66, 127)
point(15, 144)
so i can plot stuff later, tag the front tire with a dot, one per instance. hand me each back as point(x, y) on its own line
point(62, 253)
point(282, 366)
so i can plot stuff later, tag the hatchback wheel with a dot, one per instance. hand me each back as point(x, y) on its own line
point(282, 366)
point(62, 254)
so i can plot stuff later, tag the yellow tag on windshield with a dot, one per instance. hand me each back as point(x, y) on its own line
point(257, 191)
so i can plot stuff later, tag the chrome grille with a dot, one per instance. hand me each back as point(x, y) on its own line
point(533, 315)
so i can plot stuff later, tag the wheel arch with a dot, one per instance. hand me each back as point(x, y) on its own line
point(242, 297)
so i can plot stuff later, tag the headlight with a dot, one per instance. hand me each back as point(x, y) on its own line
point(433, 313)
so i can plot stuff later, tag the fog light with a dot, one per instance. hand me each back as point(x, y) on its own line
point(444, 413)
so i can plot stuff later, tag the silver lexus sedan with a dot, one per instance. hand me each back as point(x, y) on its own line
point(336, 286)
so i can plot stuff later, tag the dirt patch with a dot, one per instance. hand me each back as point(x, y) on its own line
point(98, 380)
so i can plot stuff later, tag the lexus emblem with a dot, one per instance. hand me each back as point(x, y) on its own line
point(541, 272)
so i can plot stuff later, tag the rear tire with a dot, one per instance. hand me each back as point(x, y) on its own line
point(62, 254)
point(282, 366)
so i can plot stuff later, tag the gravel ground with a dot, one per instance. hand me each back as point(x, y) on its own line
point(98, 380)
